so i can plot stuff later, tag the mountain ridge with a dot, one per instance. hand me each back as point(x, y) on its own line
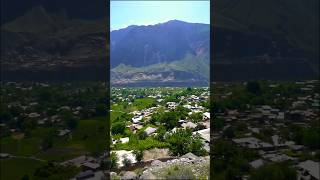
point(241, 44)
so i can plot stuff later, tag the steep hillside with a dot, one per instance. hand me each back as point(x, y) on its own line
point(145, 45)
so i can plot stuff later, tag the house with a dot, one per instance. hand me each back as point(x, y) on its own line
point(204, 133)
point(34, 115)
point(309, 170)
point(252, 143)
point(91, 166)
point(280, 116)
point(90, 175)
point(64, 108)
point(4, 155)
point(276, 157)
point(294, 147)
point(254, 130)
point(190, 125)
point(172, 105)
point(295, 115)
point(206, 124)
point(84, 175)
point(78, 161)
point(124, 140)
point(181, 121)
point(137, 119)
point(275, 140)
point(206, 116)
point(257, 163)
point(42, 121)
point(173, 130)
point(150, 130)
point(63, 132)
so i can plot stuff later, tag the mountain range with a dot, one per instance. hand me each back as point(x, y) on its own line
point(52, 46)
point(269, 39)
point(171, 51)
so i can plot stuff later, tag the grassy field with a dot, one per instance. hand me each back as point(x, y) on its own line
point(143, 103)
point(22, 147)
point(145, 144)
point(16, 168)
point(114, 115)
point(91, 135)
point(88, 137)
point(138, 104)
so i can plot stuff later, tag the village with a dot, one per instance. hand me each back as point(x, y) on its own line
point(46, 125)
point(274, 125)
point(153, 117)
point(58, 130)
point(257, 128)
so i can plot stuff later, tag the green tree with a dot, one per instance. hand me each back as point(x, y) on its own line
point(46, 143)
point(141, 134)
point(182, 112)
point(155, 118)
point(179, 141)
point(101, 110)
point(228, 133)
point(196, 146)
point(218, 124)
point(196, 117)
point(169, 119)
point(25, 177)
point(118, 127)
point(278, 171)
point(72, 123)
point(254, 88)
point(161, 131)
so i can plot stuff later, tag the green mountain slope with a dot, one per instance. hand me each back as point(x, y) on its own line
point(196, 67)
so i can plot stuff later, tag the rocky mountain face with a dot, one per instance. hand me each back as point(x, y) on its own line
point(170, 52)
point(269, 39)
point(146, 45)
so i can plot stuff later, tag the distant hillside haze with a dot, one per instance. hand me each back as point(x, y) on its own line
point(139, 46)
point(43, 45)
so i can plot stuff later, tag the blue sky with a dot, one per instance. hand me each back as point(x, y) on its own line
point(126, 13)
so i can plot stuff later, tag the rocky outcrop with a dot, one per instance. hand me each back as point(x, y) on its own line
point(198, 165)
point(129, 175)
point(185, 167)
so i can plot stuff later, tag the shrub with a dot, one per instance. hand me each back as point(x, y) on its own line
point(176, 172)
point(126, 162)
point(196, 146)
point(182, 142)
point(113, 160)
point(118, 127)
point(139, 155)
point(142, 135)
point(280, 171)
